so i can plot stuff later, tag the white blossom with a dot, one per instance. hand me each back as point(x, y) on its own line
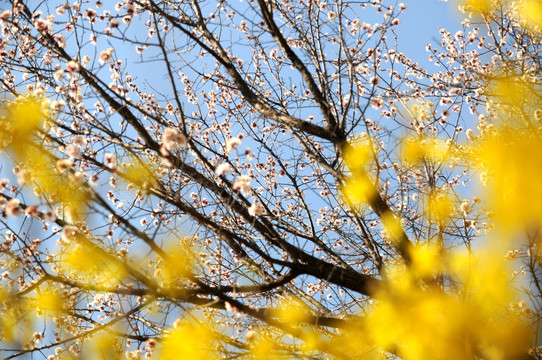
point(173, 139)
point(222, 169)
point(256, 209)
point(232, 144)
point(242, 184)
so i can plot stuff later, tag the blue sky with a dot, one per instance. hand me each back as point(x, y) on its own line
point(421, 22)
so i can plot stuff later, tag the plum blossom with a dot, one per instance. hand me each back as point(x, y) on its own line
point(64, 164)
point(68, 233)
point(242, 184)
point(256, 209)
point(106, 56)
point(73, 151)
point(232, 144)
point(72, 67)
point(4, 184)
point(31, 210)
point(79, 141)
point(110, 160)
point(222, 169)
point(173, 139)
point(13, 207)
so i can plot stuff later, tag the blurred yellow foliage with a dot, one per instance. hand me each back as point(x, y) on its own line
point(479, 6)
point(139, 174)
point(180, 264)
point(392, 225)
point(359, 190)
point(264, 349)
point(24, 117)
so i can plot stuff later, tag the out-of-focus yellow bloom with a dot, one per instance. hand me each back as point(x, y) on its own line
point(513, 158)
point(139, 174)
point(427, 261)
point(15, 320)
point(531, 12)
point(311, 341)
point(440, 206)
point(392, 225)
point(415, 319)
point(102, 346)
point(292, 311)
point(479, 6)
point(357, 154)
point(515, 99)
point(264, 349)
point(86, 261)
point(49, 302)
point(180, 265)
point(23, 118)
point(188, 339)
point(415, 150)
point(359, 190)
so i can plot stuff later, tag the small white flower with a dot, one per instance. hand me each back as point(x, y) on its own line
point(106, 56)
point(256, 209)
point(173, 139)
point(242, 184)
point(72, 67)
point(222, 169)
point(64, 164)
point(73, 151)
point(110, 160)
point(4, 184)
point(232, 143)
point(13, 207)
point(68, 233)
point(79, 141)
point(466, 207)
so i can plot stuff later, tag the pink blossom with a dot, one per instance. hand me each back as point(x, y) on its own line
point(79, 141)
point(31, 210)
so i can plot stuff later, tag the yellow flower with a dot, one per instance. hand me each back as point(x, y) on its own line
point(359, 190)
point(188, 339)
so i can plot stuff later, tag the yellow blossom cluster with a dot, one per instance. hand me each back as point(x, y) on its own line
point(24, 123)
